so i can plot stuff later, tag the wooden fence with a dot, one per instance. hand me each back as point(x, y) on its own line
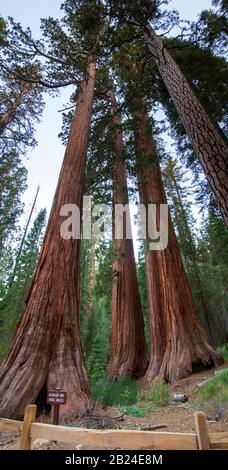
point(29, 430)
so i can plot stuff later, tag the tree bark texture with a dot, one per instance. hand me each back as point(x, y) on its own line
point(208, 321)
point(178, 342)
point(46, 349)
point(128, 346)
point(209, 146)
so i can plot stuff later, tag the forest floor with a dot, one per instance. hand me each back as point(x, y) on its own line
point(177, 417)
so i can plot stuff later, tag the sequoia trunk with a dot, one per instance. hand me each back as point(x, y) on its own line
point(128, 349)
point(46, 350)
point(206, 140)
point(185, 237)
point(178, 343)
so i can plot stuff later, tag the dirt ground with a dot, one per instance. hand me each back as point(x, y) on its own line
point(177, 417)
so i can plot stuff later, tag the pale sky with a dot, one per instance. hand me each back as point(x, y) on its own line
point(45, 161)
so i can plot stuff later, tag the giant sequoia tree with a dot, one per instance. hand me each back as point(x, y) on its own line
point(178, 343)
point(46, 350)
point(47, 347)
point(206, 140)
point(175, 190)
point(107, 161)
point(128, 354)
point(171, 309)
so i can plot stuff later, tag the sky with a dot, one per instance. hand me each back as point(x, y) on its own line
point(44, 162)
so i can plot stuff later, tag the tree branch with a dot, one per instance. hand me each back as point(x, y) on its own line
point(66, 109)
point(48, 84)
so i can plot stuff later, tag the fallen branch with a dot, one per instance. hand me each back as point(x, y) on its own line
point(120, 417)
point(153, 427)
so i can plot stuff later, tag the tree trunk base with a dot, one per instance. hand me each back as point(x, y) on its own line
point(24, 381)
point(176, 366)
point(118, 370)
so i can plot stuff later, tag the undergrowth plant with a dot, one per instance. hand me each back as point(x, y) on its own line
point(212, 397)
point(123, 392)
point(159, 393)
point(223, 350)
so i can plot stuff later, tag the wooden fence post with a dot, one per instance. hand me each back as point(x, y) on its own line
point(201, 431)
point(29, 417)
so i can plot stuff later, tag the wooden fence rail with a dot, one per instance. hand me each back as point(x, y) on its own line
point(109, 439)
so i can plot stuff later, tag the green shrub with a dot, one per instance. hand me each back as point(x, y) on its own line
point(135, 411)
point(213, 396)
point(159, 393)
point(123, 392)
point(223, 350)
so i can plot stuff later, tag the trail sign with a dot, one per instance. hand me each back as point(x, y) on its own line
point(56, 397)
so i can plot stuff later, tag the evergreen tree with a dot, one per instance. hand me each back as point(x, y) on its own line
point(15, 300)
point(87, 282)
point(13, 177)
point(53, 300)
point(48, 337)
point(207, 75)
point(172, 310)
point(2, 31)
point(21, 100)
point(207, 141)
point(160, 275)
point(212, 27)
point(128, 354)
point(217, 236)
point(100, 348)
point(21, 106)
point(141, 274)
point(100, 329)
point(213, 265)
point(179, 199)
point(6, 266)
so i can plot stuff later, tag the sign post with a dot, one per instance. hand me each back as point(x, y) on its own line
point(56, 397)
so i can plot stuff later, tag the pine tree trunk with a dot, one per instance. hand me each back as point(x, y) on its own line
point(46, 349)
point(128, 348)
point(208, 144)
point(178, 343)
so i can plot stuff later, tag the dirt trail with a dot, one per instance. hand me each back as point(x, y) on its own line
point(177, 416)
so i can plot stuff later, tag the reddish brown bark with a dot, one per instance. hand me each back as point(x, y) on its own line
point(208, 144)
point(46, 348)
point(210, 326)
point(178, 342)
point(128, 349)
